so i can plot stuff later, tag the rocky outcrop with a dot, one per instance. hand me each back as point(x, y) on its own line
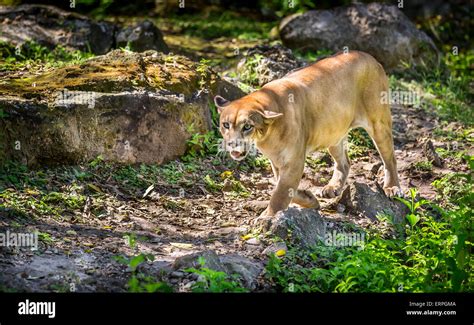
point(128, 107)
point(264, 63)
point(303, 227)
point(141, 37)
point(379, 29)
point(50, 26)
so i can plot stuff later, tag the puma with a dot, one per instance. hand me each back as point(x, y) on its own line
point(311, 109)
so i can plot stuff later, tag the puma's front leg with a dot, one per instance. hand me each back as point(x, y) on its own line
point(286, 188)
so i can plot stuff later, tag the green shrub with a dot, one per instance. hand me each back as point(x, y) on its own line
point(430, 253)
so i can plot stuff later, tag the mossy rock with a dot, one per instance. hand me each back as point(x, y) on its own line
point(128, 107)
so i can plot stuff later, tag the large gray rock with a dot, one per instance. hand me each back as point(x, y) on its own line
point(50, 26)
point(378, 29)
point(212, 261)
point(128, 107)
point(264, 63)
point(304, 227)
point(141, 37)
point(360, 198)
point(247, 269)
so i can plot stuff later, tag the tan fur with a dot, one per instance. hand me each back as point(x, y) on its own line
point(311, 109)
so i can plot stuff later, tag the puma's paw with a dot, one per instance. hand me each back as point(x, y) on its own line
point(330, 191)
point(306, 199)
point(393, 191)
point(265, 219)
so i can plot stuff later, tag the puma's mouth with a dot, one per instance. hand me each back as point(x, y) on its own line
point(237, 155)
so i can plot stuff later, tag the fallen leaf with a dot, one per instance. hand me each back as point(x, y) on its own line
point(226, 174)
point(182, 245)
point(95, 188)
point(228, 224)
point(31, 192)
point(148, 190)
point(280, 252)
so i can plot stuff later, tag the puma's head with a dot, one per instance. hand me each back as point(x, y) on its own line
point(242, 122)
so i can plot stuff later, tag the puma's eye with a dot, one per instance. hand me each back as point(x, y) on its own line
point(225, 125)
point(247, 127)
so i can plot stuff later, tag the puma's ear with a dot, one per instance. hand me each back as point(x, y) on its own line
point(271, 115)
point(220, 102)
point(265, 117)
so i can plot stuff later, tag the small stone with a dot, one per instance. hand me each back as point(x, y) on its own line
point(227, 186)
point(174, 280)
point(141, 37)
point(177, 274)
point(187, 287)
point(373, 168)
point(253, 241)
point(340, 208)
point(431, 154)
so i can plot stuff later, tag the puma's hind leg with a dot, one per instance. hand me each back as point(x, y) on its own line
point(341, 170)
point(381, 133)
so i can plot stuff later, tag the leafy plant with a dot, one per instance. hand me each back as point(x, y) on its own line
point(252, 70)
point(213, 281)
point(429, 255)
point(200, 145)
point(211, 184)
point(139, 282)
point(413, 205)
point(203, 70)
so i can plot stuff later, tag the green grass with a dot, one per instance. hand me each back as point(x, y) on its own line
point(423, 166)
point(218, 24)
point(312, 56)
point(453, 187)
point(446, 89)
point(28, 193)
point(32, 55)
point(359, 144)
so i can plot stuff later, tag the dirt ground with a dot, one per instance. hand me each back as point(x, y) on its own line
point(170, 223)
